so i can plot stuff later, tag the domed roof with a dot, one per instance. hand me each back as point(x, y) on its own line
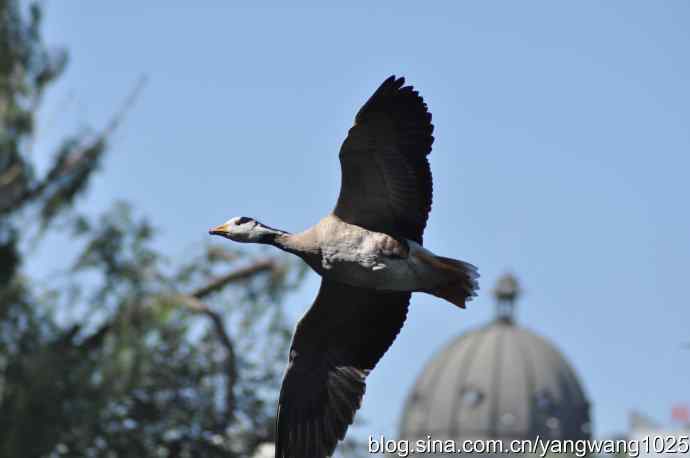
point(498, 381)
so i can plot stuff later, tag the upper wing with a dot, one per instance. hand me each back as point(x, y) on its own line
point(386, 179)
point(336, 344)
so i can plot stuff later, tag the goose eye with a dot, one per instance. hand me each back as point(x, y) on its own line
point(243, 220)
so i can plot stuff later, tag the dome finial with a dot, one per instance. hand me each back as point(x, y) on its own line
point(506, 292)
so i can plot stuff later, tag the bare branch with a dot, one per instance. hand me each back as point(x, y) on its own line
point(233, 277)
point(59, 168)
point(199, 293)
point(217, 252)
point(7, 177)
point(132, 97)
point(196, 306)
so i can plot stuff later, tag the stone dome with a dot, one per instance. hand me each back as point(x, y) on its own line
point(499, 381)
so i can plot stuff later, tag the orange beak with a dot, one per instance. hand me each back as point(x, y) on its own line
point(218, 230)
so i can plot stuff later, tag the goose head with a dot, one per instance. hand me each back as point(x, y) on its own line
point(244, 230)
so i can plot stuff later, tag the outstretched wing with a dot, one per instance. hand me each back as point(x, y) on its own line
point(337, 342)
point(386, 180)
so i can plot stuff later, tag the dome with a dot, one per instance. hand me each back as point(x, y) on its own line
point(499, 381)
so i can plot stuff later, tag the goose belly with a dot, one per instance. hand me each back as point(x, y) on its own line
point(381, 273)
point(353, 255)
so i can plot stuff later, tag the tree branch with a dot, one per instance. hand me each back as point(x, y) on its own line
point(75, 157)
point(233, 277)
point(196, 306)
point(213, 286)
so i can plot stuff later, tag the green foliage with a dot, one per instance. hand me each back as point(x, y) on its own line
point(127, 354)
point(136, 371)
point(27, 68)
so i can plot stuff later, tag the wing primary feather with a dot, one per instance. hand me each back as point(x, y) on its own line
point(324, 384)
point(386, 179)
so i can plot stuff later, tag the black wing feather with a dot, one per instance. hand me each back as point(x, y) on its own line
point(386, 179)
point(336, 344)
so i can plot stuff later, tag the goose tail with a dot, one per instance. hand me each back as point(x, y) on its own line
point(463, 284)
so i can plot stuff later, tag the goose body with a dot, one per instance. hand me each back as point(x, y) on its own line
point(370, 255)
point(367, 259)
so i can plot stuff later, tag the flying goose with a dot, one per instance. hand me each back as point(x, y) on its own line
point(369, 254)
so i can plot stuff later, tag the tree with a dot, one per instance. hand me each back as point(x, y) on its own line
point(128, 354)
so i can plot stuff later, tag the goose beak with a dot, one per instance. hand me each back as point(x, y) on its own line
point(218, 230)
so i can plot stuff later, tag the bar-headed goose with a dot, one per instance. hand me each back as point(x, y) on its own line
point(369, 254)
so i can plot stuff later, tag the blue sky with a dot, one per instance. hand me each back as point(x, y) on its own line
point(562, 153)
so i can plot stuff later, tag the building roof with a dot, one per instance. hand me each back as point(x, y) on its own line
point(498, 381)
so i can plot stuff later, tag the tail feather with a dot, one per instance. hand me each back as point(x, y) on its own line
point(463, 285)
